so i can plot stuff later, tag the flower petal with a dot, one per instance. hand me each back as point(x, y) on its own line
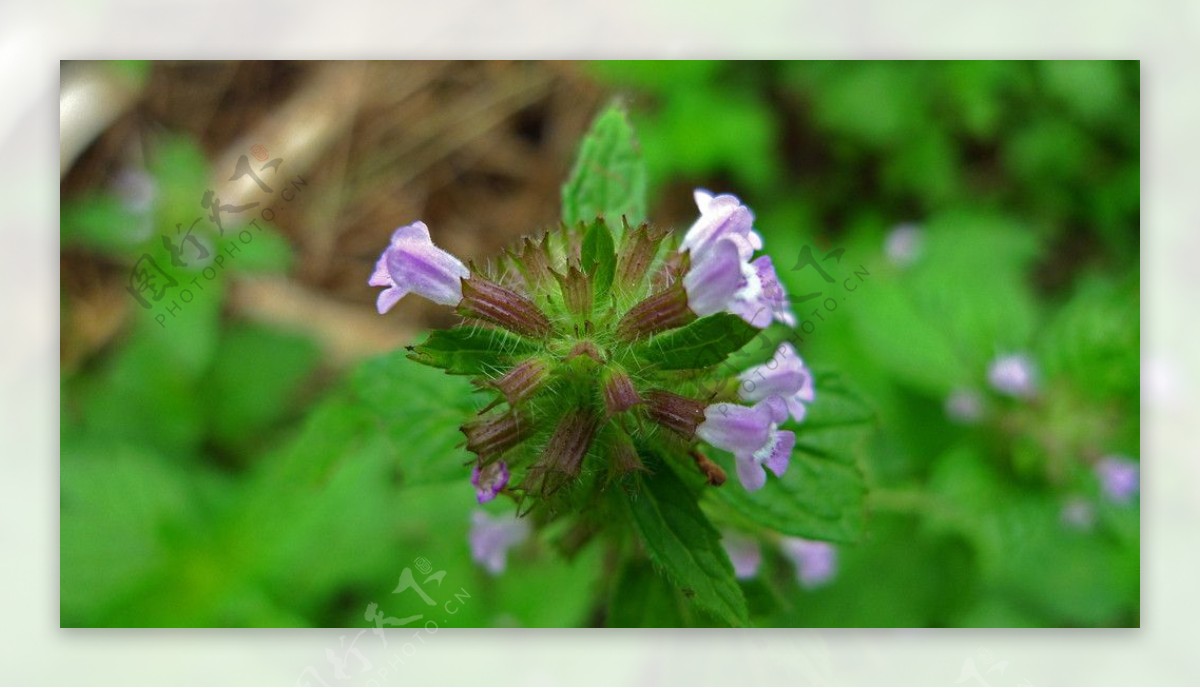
point(381, 277)
point(777, 453)
point(489, 480)
point(815, 562)
point(738, 429)
point(722, 216)
point(388, 298)
point(785, 376)
point(491, 538)
point(750, 473)
point(744, 553)
point(712, 282)
point(417, 232)
point(428, 271)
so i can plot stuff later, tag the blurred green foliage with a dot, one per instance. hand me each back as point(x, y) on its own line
point(210, 477)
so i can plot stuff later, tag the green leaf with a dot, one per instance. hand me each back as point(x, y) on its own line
point(685, 546)
point(267, 251)
point(253, 383)
point(471, 350)
point(598, 257)
point(143, 396)
point(643, 599)
point(609, 177)
point(816, 498)
point(522, 591)
point(1023, 549)
point(123, 508)
point(705, 342)
point(101, 222)
point(821, 496)
point(419, 411)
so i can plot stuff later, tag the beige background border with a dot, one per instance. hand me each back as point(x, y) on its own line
point(1165, 35)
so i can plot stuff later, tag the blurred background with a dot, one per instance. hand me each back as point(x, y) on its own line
point(219, 221)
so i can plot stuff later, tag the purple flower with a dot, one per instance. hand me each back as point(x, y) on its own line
point(763, 297)
point(1078, 514)
point(784, 376)
point(714, 278)
point(964, 406)
point(491, 538)
point(752, 435)
point(722, 277)
point(136, 189)
point(903, 244)
point(489, 480)
point(744, 553)
point(1014, 375)
point(412, 264)
point(1120, 478)
point(721, 217)
point(816, 562)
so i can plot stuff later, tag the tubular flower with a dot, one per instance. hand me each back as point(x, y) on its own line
point(489, 480)
point(412, 264)
point(784, 376)
point(721, 217)
point(762, 299)
point(492, 537)
point(752, 435)
point(1119, 478)
point(1014, 375)
point(815, 562)
point(744, 553)
point(716, 277)
point(722, 276)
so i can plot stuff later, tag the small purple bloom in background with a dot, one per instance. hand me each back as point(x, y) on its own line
point(136, 189)
point(752, 435)
point(1078, 514)
point(744, 553)
point(784, 376)
point(1120, 478)
point(412, 264)
point(815, 561)
point(903, 244)
point(964, 406)
point(489, 480)
point(492, 537)
point(1014, 375)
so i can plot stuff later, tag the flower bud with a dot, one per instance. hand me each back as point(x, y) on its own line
point(665, 310)
point(674, 412)
point(576, 291)
point(489, 301)
point(619, 393)
point(489, 437)
point(521, 382)
point(533, 264)
point(563, 456)
point(637, 255)
point(623, 454)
